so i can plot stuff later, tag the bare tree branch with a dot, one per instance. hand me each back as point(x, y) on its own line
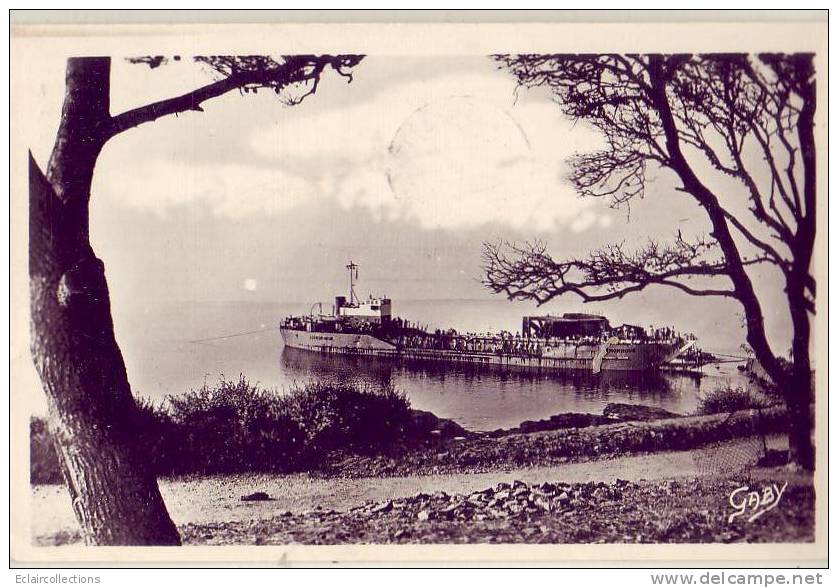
point(528, 272)
point(245, 73)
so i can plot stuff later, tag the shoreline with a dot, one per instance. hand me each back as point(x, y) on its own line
point(488, 451)
point(303, 509)
point(555, 512)
point(627, 444)
point(199, 503)
point(439, 445)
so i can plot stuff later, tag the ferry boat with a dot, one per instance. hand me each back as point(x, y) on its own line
point(573, 341)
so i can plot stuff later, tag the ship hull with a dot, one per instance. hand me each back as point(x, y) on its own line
point(347, 343)
point(563, 357)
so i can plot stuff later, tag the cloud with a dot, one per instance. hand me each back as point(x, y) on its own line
point(447, 149)
point(231, 190)
point(451, 152)
point(583, 221)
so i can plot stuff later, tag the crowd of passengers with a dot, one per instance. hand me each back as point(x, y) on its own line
point(507, 343)
point(304, 323)
point(411, 336)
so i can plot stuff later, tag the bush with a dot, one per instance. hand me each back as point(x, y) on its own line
point(729, 399)
point(336, 416)
point(154, 429)
point(43, 460)
point(234, 427)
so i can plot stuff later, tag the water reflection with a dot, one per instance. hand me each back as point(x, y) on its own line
point(489, 397)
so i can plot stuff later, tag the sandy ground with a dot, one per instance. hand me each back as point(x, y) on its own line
point(218, 498)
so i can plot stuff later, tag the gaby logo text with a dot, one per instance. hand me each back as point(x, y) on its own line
point(754, 502)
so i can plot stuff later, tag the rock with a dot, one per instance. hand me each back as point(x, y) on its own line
point(383, 507)
point(567, 420)
point(423, 515)
point(450, 511)
point(425, 424)
point(256, 496)
point(636, 412)
point(451, 430)
point(542, 503)
point(476, 500)
point(423, 421)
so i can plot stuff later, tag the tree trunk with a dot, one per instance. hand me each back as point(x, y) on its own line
point(795, 386)
point(92, 411)
point(801, 425)
point(799, 395)
point(798, 390)
point(745, 293)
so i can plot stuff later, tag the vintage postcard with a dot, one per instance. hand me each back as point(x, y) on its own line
point(394, 292)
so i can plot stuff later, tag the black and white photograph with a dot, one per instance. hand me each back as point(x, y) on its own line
point(430, 285)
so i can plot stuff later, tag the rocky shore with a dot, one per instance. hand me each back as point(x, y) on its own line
point(613, 413)
point(670, 511)
point(632, 433)
point(725, 450)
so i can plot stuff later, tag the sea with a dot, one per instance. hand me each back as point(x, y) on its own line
point(172, 348)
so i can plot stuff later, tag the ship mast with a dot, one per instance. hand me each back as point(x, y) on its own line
point(353, 275)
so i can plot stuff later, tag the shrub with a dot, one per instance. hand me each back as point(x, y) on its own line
point(729, 399)
point(337, 416)
point(235, 426)
point(154, 430)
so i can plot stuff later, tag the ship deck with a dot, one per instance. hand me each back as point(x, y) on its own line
point(590, 357)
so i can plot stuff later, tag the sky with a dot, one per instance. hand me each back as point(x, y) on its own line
point(406, 170)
